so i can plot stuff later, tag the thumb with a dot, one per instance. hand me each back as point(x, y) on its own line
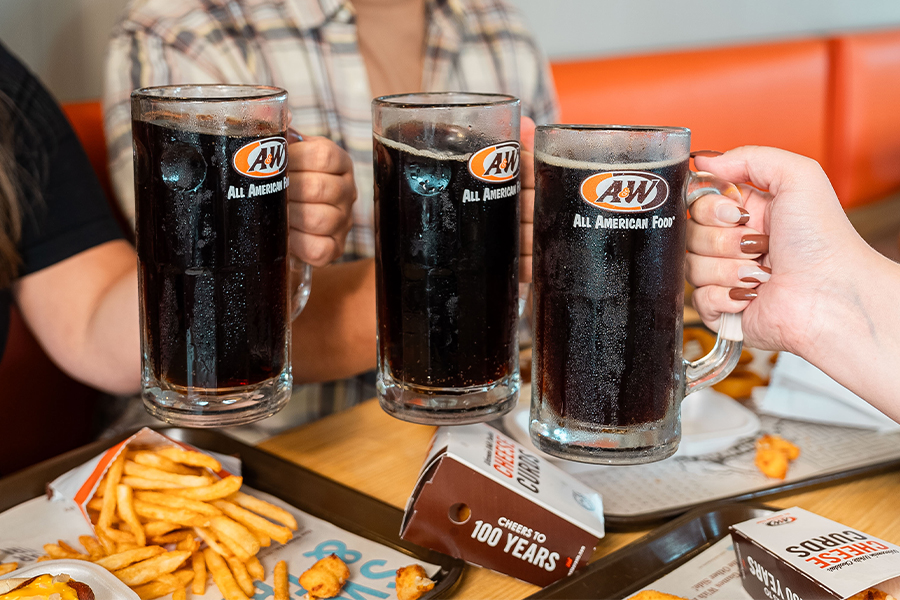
point(766, 168)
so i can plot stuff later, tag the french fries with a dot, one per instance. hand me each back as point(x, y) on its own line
point(56, 551)
point(270, 511)
point(8, 567)
point(108, 507)
point(239, 570)
point(158, 461)
point(187, 481)
point(256, 569)
point(125, 508)
point(150, 569)
point(222, 576)
point(174, 515)
point(164, 521)
point(94, 548)
point(255, 522)
point(220, 489)
point(188, 457)
point(156, 528)
point(178, 502)
point(165, 584)
point(281, 589)
point(232, 532)
point(120, 560)
point(198, 562)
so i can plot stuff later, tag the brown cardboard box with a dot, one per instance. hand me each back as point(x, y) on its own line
point(484, 498)
point(797, 555)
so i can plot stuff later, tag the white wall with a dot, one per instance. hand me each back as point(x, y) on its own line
point(64, 40)
point(579, 28)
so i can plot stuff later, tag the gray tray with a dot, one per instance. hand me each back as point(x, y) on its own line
point(308, 491)
point(627, 570)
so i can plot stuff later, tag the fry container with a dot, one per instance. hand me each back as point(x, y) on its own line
point(80, 484)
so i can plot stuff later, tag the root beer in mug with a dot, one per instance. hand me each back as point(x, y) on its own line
point(447, 255)
point(211, 232)
point(609, 245)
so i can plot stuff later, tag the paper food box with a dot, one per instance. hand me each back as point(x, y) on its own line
point(484, 498)
point(80, 484)
point(797, 555)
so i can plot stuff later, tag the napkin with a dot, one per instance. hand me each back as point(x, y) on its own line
point(798, 390)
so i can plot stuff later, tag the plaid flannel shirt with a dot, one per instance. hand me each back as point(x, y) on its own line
point(309, 48)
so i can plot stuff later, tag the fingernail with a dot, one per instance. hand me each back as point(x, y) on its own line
point(754, 274)
point(705, 153)
point(293, 135)
point(730, 213)
point(742, 294)
point(755, 244)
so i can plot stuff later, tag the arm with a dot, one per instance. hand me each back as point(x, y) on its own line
point(334, 336)
point(84, 312)
point(858, 341)
point(829, 297)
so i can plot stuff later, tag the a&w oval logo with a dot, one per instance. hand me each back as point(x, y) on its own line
point(497, 163)
point(625, 191)
point(779, 520)
point(262, 158)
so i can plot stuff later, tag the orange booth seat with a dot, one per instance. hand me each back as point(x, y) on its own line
point(864, 160)
point(834, 100)
point(771, 94)
point(47, 411)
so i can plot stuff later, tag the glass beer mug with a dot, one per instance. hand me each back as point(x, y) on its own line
point(447, 255)
point(210, 178)
point(610, 210)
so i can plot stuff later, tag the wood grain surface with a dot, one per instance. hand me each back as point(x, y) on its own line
point(376, 454)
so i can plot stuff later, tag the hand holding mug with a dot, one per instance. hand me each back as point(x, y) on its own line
point(776, 255)
point(321, 197)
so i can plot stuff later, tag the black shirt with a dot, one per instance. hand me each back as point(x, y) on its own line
point(64, 210)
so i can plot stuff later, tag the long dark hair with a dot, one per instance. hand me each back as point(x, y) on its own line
point(10, 210)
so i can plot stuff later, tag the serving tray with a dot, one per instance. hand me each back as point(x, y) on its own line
point(639, 564)
point(308, 491)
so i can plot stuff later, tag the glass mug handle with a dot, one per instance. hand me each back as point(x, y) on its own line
point(304, 271)
point(301, 294)
point(724, 356)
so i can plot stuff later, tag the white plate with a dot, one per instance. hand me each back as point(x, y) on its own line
point(104, 584)
point(710, 422)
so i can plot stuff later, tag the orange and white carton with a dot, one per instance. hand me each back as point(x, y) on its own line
point(798, 555)
point(81, 483)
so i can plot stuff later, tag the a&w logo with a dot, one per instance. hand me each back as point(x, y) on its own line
point(625, 191)
point(496, 164)
point(779, 520)
point(262, 158)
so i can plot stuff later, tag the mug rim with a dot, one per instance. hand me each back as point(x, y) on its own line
point(613, 128)
point(170, 92)
point(395, 100)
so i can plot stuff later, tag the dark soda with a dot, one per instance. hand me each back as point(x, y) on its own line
point(447, 258)
point(608, 293)
point(212, 248)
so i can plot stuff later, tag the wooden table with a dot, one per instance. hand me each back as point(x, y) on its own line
point(374, 453)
